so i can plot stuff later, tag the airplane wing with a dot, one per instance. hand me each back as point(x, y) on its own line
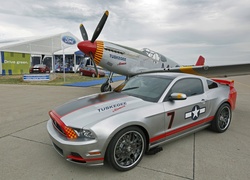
point(218, 71)
point(211, 71)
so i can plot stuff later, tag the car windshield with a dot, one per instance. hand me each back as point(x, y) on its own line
point(39, 66)
point(148, 88)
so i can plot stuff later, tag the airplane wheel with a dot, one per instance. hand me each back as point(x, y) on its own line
point(106, 87)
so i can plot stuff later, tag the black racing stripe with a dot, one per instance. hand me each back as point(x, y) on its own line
point(87, 101)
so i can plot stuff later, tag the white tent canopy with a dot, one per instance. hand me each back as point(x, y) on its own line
point(41, 50)
point(38, 45)
point(67, 51)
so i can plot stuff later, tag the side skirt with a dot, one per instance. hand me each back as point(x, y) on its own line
point(170, 139)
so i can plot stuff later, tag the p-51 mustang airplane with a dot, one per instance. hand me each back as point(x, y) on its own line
point(128, 61)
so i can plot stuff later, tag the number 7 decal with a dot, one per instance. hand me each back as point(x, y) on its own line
point(171, 119)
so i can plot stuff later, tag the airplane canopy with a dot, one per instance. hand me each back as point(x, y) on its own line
point(156, 56)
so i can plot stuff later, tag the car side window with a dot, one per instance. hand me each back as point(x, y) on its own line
point(211, 84)
point(188, 86)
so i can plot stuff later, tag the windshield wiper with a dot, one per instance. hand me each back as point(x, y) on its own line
point(126, 89)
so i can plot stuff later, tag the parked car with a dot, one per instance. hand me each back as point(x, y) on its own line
point(140, 115)
point(39, 68)
point(90, 71)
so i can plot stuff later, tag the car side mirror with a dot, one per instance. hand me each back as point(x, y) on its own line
point(177, 96)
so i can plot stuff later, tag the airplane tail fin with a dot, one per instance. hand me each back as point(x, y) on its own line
point(200, 61)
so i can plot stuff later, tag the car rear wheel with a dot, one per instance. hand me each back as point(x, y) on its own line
point(222, 118)
point(126, 149)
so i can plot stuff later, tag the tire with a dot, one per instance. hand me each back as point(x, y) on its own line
point(222, 118)
point(106, 87)
point(126, 149)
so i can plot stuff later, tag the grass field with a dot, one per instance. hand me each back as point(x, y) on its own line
point(57, 79)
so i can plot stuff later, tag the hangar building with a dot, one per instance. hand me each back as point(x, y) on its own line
point(17, 57)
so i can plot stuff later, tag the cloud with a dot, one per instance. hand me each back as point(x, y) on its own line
point(179, 29)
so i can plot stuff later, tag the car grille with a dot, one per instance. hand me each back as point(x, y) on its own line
point(58, 127)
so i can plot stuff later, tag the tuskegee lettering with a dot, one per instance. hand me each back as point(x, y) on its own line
point(114, 107)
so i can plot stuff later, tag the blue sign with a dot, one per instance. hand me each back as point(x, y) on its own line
point(68, 40)
point(36, 77)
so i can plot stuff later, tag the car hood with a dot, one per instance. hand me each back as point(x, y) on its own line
point(92, 109)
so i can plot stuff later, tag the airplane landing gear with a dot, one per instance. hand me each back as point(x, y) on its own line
point(106, 86)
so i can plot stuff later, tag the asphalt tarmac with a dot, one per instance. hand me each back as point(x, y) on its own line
point(26, 151)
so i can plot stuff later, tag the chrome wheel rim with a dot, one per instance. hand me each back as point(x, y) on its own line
point(224, 118)
point(128, 149)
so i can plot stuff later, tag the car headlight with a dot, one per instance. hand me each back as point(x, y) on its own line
point(84, 133)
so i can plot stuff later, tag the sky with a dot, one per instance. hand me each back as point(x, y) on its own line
point(181, 30)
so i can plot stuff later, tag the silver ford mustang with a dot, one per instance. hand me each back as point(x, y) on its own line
point(138, 117)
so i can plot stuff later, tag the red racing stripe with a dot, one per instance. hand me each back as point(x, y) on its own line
point(180, 129)
point(84, 160)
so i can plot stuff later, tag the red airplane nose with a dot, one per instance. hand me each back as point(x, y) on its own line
point(87, 47)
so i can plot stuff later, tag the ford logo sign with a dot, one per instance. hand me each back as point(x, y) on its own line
point(68, 40)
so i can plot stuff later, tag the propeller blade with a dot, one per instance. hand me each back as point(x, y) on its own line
point(84, 33)
point(100, 26)
point(92, 59)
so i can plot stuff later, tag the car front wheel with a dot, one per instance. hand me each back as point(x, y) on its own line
point(126, 149)
point(222, 118)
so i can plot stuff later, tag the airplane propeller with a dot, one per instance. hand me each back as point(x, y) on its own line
point(84, 32)
point(100, 26)
point(89, 46)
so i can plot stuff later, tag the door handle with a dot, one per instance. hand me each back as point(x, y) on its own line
point(203, 101)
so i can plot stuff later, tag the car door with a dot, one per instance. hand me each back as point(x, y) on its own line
point(86, 71)
point(186, 115)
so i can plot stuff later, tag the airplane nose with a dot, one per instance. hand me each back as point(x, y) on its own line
point(87, 47)
point(95, 48)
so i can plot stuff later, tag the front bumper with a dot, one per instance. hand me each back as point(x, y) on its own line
point(76, 151)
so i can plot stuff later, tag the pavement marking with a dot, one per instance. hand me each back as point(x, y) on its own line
point(171, 174)
point(10, 134)
point(18, 137)
point(242, 84)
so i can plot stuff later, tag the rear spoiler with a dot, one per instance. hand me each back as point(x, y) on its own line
point(233, 93)
point(229, 83)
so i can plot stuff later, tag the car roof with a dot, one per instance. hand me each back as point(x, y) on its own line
point(39, 65)
point(169, 74)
